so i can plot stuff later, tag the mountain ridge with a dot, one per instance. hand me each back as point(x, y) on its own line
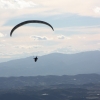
point(53, 64)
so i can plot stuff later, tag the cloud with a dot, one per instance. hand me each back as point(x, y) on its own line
point(27, 46)
point(47, 8)
point(80, 30)
point(35, 37)
point(84, 8)
point(16, 4)
point(23, 47)
point(1, 35)
point(97, 10)
point(67, 50)
point(63, 37)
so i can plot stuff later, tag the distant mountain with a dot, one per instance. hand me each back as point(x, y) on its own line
point(53, 64)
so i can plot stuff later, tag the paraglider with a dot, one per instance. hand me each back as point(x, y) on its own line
point(35, 59)
point(27, 22)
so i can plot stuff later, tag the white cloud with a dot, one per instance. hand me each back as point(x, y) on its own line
point(97, 10)
point(23, 47)
point(67, 50)
point(1, 35)
point(47, 7)
point(80, 30)
point(80, 7)
point(16, 4)
point(35, 37)
point(63, 37)
point(27, 46)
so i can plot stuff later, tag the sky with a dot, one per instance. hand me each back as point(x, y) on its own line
point(76, 26)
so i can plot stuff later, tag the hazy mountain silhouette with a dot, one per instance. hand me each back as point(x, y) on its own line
point(53, 64)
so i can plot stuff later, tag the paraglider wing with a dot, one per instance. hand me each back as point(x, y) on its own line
point(29, 21)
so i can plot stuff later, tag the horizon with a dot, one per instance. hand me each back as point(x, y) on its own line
point(18, 58)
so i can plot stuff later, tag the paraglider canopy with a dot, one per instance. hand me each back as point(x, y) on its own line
point(27, 22)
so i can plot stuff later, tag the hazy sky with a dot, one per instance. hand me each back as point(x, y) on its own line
point(76, 27)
